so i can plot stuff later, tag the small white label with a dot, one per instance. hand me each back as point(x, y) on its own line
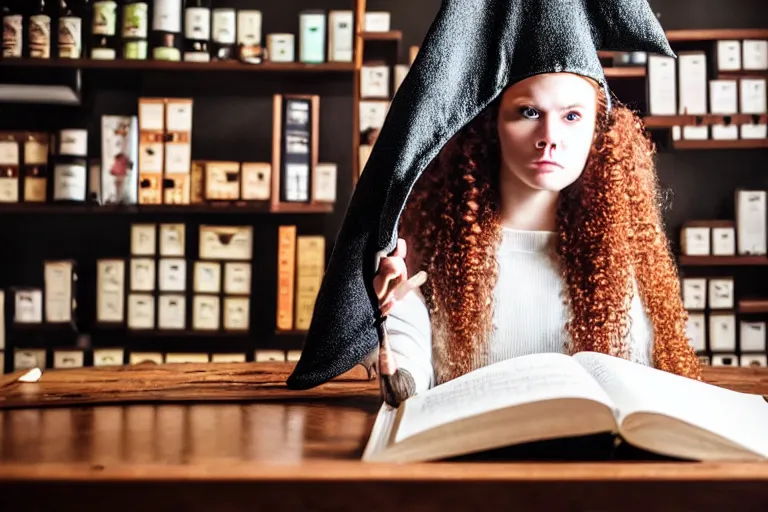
point(173, 274)
point(720, 294)
point(110, 279)
point(172, 239)
point(753, 97)
point(40, 36)
point(178, 158)
point(9, 152)
point(723, 241)
point(151, 116)
point(696, 241)
point(197, 23)
point(206, 312)
point(223, 26)
point(141, 311)
point(178, 116)
point(103, 54)
point(12, 35)
point(325, 185)
point(752, 336)
point(167, 16)
point(207, 277)
point(172, 312)
point(236, 313)
point(722, 332)
point(756, 55)
point(142, 274)
point(695, 331)
point(143, 239)
point(69, 182)
point(35, 152)
point(104, 18)
point(73, 142)
point(29, 307)
point(9, 190)
point(237, 278)
point(70, 37)
point(694, 293)
point(728, 55)
point(249, 28)
point(135, 20)
point(58, 291)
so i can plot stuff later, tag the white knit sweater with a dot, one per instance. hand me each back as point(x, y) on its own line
point(529, 316)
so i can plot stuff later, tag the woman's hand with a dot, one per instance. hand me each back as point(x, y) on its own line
point(392, 272)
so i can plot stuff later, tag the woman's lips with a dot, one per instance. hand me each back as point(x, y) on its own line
point(546, 166)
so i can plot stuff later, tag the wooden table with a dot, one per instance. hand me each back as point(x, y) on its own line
point(140, 439)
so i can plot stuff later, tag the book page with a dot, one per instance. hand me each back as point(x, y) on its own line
point(517, 381)
point(739, 417)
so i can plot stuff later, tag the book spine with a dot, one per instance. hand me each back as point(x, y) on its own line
point(286, 258)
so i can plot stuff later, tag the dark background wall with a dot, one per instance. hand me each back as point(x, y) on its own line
point(233, 120)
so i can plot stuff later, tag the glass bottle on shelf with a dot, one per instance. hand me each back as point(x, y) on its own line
point(40, 32)
point(197, 31)
point(135, 21)
point(223, 32)
point(13, 30)
point(166, 30)
point(70, 171)
point(103, 30)
point(70, 33)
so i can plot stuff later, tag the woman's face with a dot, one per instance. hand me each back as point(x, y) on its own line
point(546, 127)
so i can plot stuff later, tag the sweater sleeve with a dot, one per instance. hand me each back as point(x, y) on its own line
point(641, 332)
point(410, 337)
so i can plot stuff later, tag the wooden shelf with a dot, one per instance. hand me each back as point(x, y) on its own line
point(185, 333)
point(290, 332)
point(753, 306)
point(716, 34)
point(720, 144)
point(215, 208)
point(302, 208)
point(624, 72)
point(744, 73)
point(719, 261)
point(392, 35)
point(702, 120)
point(158, 65)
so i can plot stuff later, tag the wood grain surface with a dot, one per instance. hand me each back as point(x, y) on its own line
point(231, 437)
point(222, 382)
point(183, 382)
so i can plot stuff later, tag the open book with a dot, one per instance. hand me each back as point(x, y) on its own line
point(554, 396)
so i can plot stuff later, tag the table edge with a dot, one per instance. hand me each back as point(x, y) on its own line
point(357, 471)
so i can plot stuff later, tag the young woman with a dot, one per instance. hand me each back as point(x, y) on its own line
point(539, 228)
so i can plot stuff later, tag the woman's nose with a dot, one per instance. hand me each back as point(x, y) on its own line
point(547, 136)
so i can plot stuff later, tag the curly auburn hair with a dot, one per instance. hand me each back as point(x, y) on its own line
point(609, 232)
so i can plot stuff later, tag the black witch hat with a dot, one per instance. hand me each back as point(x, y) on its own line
point(473, 50)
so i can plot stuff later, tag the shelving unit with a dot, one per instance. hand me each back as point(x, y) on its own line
point(390, 35)
point(212, 209)
point(720, 144)
point(393, 40)
point(702, 120)
point(317, 80)
point(715, 34)
point(719, 261)
point(156, 65)
point(753, 306)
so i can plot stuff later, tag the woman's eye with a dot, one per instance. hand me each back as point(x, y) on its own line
point(529, 112)
point(573, 116)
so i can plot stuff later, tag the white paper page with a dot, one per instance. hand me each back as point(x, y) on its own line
point(739, 417)
point(521, 380)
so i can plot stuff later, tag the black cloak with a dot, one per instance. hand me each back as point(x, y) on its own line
point(473, 50)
